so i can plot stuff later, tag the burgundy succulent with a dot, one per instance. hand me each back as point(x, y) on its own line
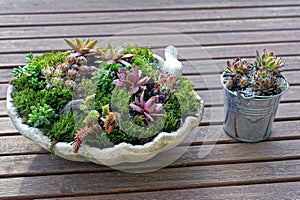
point(263, 81)
point(131, 80)
point(238, 67)
point(149, 108)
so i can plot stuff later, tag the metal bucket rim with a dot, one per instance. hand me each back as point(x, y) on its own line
point(256, 97)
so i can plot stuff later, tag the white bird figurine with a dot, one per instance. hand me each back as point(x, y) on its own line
point(171, 64)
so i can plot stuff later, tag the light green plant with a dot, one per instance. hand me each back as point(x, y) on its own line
point(41, 115)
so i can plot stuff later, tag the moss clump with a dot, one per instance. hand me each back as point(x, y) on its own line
point(186, 97)
point(62, 130)
point(49, 59)
point(143, 59)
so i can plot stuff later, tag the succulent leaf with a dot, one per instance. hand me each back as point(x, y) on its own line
point(147, 108)
point(132, 80)
point(268, 61)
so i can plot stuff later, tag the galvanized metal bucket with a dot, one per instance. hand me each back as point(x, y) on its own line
point(250, 119)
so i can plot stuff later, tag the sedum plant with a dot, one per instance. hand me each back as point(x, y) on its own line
point(260, 78)
point(41, 115)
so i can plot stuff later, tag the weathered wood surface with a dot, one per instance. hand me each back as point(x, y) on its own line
point(214, 166)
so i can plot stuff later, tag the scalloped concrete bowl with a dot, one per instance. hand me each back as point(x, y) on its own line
point(118, 154)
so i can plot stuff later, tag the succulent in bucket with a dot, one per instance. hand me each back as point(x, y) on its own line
point(238, 69)
point(262, 77)
point(263, 82)
point(268, 61)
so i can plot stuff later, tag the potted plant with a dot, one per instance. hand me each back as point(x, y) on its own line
point(252, 92)
point(104, 105)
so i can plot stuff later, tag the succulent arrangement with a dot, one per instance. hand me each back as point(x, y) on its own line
point(260, 78)
point(104, 96)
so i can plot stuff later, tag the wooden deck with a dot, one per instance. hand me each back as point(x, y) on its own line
point(232, 170)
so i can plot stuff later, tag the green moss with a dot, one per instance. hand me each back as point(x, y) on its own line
point(24, 99)
point(173, 112)
point(49, 59)
point(186, 97)
point(29, 75)
point(57, 98)
point(143, 59)
point(62, 130)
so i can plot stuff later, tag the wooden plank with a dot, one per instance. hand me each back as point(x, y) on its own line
point(5, 75)
point(287, 190)
point(147, 16)
point(18, 145)
point(3, 89)
point(211, 134)
point(43, 164)
point(3, 111)
point(175, 38)
point(6, 126)
point(170, 178)
point(285, 50)
point(201, 67)
point(46, 6)
point(151, 28)
point(217, 52)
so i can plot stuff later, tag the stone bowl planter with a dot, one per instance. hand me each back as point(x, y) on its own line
point(121, 153)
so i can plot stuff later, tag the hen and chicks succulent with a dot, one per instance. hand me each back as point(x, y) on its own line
point(262, 77)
